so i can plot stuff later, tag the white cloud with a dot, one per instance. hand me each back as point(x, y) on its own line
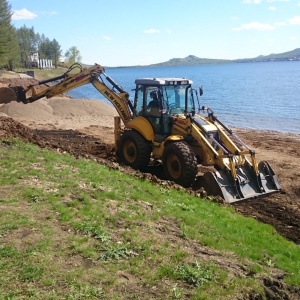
point(272, 8)
point(23, 14)
point(293, 38)
point(294, 21)
point(254, 26)
point(108, 38)
point(151, 31)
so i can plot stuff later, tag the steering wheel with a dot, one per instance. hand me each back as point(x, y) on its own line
point(175, 110)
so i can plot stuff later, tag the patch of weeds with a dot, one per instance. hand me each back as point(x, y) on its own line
point(92, 230)
point(33, 194)
point(8, 252)
point(30, 273)
point(117, 251)
point(268, 261)
point(194, 274)
point(35, 198)
point(85, 292)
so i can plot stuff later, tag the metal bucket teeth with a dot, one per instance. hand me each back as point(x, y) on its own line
point(246, 186)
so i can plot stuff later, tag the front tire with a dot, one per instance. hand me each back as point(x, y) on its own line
point(134, 150)
point(180, 163)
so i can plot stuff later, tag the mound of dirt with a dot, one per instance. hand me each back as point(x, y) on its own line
point(17, 80)
point(11, 128)
point(61, 113)
point(57, 112)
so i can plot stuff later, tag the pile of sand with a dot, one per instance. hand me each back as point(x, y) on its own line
point(57, 112)
point(61, 113)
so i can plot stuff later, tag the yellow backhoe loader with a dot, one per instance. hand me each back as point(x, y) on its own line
point(162, 124)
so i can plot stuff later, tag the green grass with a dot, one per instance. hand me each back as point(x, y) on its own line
point(73, 229)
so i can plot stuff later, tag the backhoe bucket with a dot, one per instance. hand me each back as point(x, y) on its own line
point(12, 93)
point(7, 95)
point(247, 185)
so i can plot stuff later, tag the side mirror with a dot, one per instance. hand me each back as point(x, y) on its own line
point(200, 90)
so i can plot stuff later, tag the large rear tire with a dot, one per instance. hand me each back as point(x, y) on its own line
point(134, 150)
point(180, 163)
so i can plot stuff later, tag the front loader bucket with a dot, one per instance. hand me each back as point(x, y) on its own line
point(247, 185)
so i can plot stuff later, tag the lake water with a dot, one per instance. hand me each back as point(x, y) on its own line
point(246, 95)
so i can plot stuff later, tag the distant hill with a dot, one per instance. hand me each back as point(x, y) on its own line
point(192, 60)
point(285, 56)
point(189, 61)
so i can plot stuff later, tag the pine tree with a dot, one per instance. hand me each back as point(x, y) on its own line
point(29, 42)
point(14, 53)
point(50, 50)
point(9, 50)
point(56, 52)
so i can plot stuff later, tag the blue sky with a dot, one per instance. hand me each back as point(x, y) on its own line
point(139, 32)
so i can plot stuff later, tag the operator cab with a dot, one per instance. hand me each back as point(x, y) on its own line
point(158, 99)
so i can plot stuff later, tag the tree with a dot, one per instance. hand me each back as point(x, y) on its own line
point(29, 42)
point(44, 47)
point(9, 50)
point(14, 53)
point(73, 55)
point(56, 52)
point(33, 43)
point(50, 50)
point(5, 17)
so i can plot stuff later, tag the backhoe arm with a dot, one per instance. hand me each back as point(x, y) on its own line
point(69, 80)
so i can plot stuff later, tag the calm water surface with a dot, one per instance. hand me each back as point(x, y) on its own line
point(248, 95)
